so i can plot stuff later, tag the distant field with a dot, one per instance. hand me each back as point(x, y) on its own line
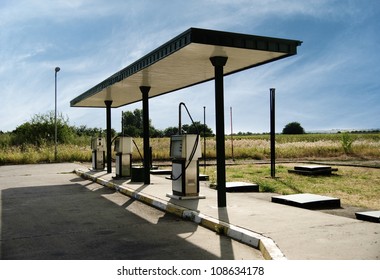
point(307, 146)
point(257, 147)
point(354, 185)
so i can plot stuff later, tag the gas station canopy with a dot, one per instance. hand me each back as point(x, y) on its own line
point(193, 57)
point(185, 61)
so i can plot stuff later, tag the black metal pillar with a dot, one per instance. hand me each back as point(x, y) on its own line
point(272, 134)
point(108, 120)
point(145, 98)
point(218, 62)
point(204, 137)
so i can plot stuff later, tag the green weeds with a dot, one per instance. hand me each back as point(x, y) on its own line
point(353, 185)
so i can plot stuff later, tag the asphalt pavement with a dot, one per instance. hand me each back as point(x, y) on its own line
point(47, 212)
point(278, 231)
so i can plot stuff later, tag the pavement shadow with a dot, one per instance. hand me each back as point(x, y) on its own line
point(71, 221)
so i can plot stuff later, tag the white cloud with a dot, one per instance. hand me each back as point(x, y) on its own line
point(90, 40)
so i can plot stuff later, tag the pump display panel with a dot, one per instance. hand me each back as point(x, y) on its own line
point(176, 147)
point(185, 146)
point(123, 145)
point(98, 143)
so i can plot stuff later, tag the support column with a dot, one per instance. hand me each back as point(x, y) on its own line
point(145, 98)
point(218, 62)
point(108, 120)
point(272, 134)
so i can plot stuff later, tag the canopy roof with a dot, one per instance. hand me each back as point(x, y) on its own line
point(185, 61)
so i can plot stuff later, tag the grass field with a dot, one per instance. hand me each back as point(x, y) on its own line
point(256, 147)
point(306, 146)
point(27, 154)
point(356, 186)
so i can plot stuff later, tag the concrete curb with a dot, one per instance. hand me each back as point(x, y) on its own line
point(266, 245)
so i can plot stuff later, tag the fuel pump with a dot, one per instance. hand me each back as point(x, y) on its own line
point(123, 149)
point(98, 153)
point(185, 151)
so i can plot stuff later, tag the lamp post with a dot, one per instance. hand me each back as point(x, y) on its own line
point(55, 114)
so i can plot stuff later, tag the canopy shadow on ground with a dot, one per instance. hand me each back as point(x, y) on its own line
point(70, 221)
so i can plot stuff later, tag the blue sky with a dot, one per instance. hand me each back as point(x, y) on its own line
point(332, 83)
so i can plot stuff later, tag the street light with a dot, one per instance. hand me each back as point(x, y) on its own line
point(55, 114)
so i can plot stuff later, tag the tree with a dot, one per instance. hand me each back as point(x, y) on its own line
point(194, 128)
point(197, 127)
point(41, 130)
point(172, 130)
point(293, 128)
point(133, 124)
point(83, 130)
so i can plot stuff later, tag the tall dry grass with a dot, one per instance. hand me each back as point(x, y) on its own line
point(26, 154)
point(300, 146)
point(307, 146)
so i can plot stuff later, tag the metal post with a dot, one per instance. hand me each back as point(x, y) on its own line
point(218, 62)
point(180, 118)
point(272, 134)
point(232, 137)
point(145, 98)
point(56, 70)
point(122, 123)
point(204, 137)
point(108, 121)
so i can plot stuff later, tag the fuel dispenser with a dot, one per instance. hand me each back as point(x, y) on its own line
point(185, 151)
point(123, 149)
point(98, 153)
